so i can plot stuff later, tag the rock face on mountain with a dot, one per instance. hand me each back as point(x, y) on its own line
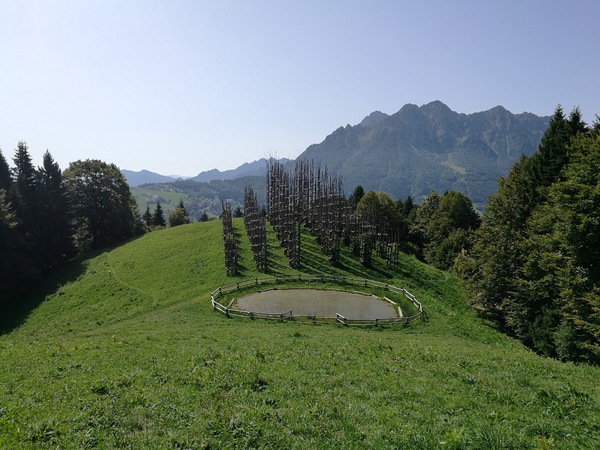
point(420, 149)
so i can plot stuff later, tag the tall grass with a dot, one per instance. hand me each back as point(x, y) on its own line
point(122, 350)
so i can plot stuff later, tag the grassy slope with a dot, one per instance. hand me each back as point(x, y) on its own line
point(127, 353)
point(169, 199)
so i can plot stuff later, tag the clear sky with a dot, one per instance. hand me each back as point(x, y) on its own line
point(182, 86)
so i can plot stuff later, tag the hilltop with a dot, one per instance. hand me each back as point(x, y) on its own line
point(122, 350)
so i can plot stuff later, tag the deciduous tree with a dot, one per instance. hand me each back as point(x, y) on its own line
point(104, 210)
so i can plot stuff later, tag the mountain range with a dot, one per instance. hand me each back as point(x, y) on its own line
point(420, 149)
point(412, 152)
point(255, 168)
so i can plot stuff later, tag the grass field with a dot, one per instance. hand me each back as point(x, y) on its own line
point(168, 199)
point(122, 350)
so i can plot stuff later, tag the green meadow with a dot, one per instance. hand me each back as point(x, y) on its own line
point(168, 199)
point(121, 349)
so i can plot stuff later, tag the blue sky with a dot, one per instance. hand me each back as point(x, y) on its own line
point(182, 86)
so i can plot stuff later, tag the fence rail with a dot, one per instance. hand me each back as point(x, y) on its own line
point(231, 312)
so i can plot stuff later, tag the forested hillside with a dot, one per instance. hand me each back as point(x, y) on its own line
point(47, 216)
point(535, 265)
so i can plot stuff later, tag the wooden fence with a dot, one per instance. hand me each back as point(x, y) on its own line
point(256, 282)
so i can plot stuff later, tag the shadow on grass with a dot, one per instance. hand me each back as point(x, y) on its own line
point(16, 313)
point(314, 261)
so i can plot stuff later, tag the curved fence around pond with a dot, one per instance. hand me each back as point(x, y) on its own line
point(288, 315)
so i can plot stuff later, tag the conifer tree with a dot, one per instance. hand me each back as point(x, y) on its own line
point(158, 219)
point(181, 206)
point(519, 266)
point(55, 233)
point(5, 177)
point(179, 215)
point(13, 264)
point(147, 217)
point(24, 193)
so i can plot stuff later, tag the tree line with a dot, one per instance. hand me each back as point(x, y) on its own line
point(534, 267)
point(48, 216)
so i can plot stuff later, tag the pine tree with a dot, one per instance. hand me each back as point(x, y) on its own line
point(24, 193)
point(519, 264)
point(13, 263)
point(181, 206)
point(574, 222)
point(56, 237)
point(5, 177)
point(147, 217)
point(158, 219)
point(356, 196)
point(179, 215)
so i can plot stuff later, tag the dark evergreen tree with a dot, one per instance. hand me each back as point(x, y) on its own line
point(24, 196)
point(147, 217)
point(158, 219)
point(5, 176)
point(356, 196)
point(572, 261)
point(13, 263)
point(407, 207)
point(55, 228)
point(24, 200)
point(181, 206)
point(518, 267)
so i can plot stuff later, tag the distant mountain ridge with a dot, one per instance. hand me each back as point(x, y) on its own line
point(420, 149)
point(255, 168)
point(145, 176)
point(412, 152)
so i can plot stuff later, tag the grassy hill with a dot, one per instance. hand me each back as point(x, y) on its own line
point(122, 350)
